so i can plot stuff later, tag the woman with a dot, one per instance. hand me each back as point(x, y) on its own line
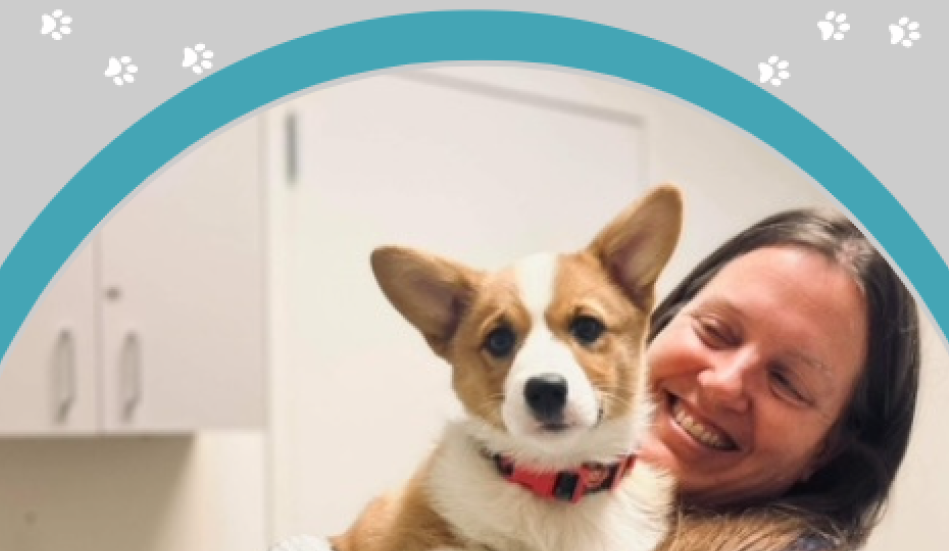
point(786, 366)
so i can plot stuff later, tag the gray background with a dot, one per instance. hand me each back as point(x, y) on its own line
point(884, 103)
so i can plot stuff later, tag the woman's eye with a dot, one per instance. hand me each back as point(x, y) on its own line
point(586, 329)
point(713, 335)
point(500, 342)
point(786, 386)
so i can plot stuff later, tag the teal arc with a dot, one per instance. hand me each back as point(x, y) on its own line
point(450, 36)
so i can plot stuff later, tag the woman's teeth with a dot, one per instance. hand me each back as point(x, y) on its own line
point(703, 433)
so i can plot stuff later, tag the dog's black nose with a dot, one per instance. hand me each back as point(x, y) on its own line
point(547, 396)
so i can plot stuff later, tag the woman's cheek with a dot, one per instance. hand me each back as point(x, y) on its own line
point(670, 354)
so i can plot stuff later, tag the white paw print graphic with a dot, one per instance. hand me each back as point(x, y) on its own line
point(774, 71)
point(121, 70)
point(198, 58)
point(899, 34)
point(833, 26)
point(56, 25)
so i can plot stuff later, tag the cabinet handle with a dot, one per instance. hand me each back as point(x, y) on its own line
point(64, 375)
point(130, 376)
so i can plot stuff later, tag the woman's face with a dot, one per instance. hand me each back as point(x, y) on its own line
point(753, 372)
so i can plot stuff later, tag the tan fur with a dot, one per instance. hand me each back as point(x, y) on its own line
point(457, 500)
point(584, 288)
point(399, 521)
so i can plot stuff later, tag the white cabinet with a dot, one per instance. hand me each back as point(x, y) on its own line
point(182, 269)
point(48, 382)
point(169, 334)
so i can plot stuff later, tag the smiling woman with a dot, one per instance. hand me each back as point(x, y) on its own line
point(787, 367)
point(746, 392)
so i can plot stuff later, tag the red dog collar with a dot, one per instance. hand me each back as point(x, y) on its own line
point(569, 485)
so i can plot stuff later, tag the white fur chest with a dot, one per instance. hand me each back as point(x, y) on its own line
point(492, 513)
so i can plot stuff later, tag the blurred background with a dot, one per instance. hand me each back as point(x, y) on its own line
point(216, 369)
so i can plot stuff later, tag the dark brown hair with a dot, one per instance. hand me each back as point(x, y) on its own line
point(844, 498)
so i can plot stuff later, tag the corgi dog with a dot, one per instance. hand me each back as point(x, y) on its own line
point(547, 361)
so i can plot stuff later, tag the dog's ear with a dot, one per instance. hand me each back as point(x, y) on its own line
point(432, 293)
point(635, 247)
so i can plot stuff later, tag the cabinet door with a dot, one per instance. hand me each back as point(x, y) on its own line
point(48, 381)
point(471, 168)
point(182, 323)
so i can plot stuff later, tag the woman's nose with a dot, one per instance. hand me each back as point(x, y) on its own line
point(724, 383)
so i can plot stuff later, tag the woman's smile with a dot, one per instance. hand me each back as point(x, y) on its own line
point(702, 432)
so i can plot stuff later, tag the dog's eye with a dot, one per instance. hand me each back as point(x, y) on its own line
point(586, 329)
point(500, 342)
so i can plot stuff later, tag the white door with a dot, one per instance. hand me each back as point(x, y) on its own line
point(183, 311)
point(48, 381)
point(468, 167)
